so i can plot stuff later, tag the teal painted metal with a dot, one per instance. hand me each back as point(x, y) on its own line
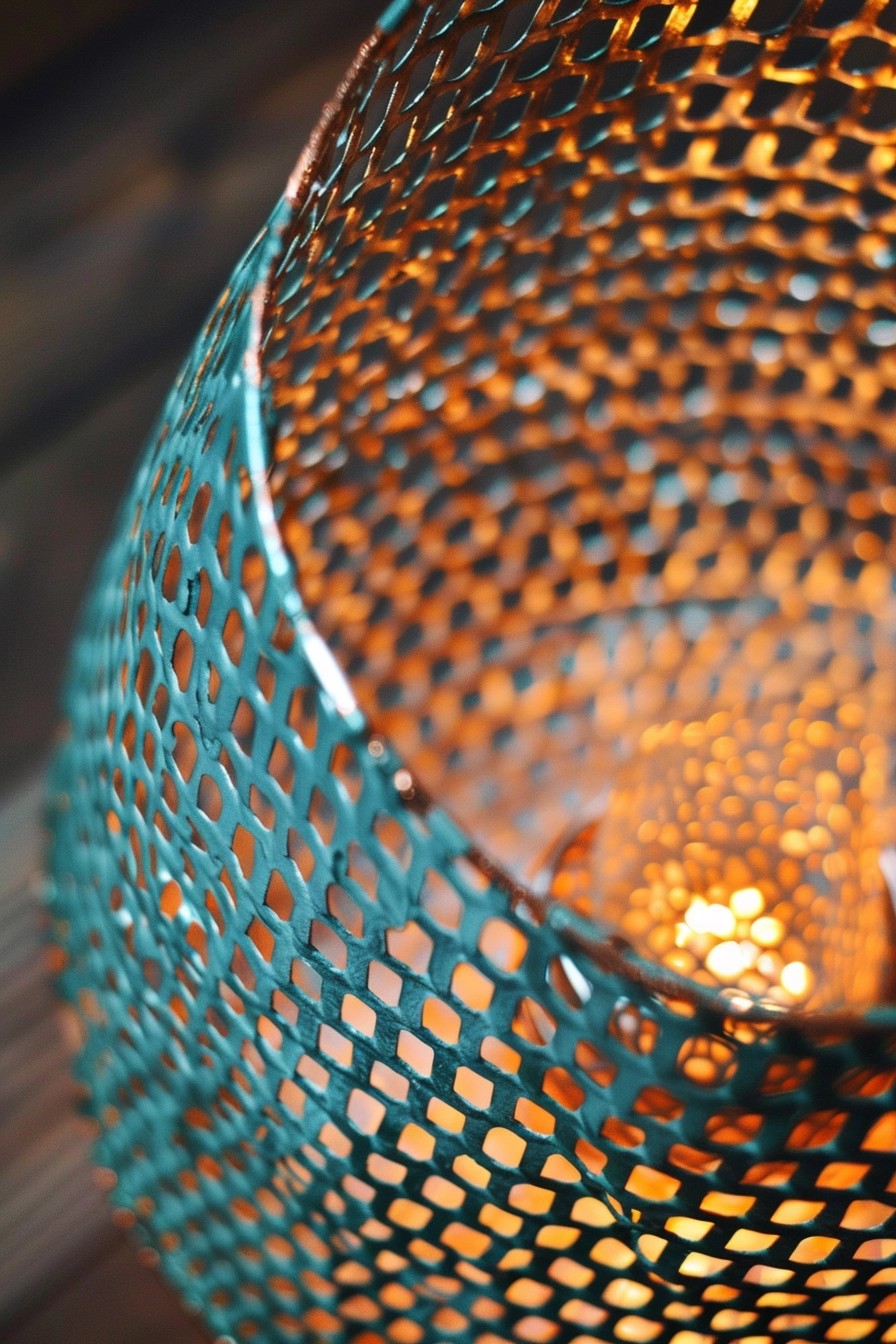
point(394, 14)
point(265, 1057)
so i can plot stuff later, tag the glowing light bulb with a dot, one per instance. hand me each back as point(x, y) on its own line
point(743, 851)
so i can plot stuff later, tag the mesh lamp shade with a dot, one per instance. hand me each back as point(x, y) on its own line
point(473, 812)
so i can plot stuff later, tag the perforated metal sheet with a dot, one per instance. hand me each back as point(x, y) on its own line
point(352, 1082)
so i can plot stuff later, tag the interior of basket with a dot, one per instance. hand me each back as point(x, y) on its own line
point(585, 458)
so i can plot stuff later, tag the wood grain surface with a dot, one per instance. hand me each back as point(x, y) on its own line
point(134, 169)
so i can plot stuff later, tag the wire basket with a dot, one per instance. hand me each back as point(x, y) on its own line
point(556, 402)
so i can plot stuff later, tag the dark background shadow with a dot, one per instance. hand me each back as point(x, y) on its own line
point(136, 163)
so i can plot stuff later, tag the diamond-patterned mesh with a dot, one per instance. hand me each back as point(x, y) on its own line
point(558, 393)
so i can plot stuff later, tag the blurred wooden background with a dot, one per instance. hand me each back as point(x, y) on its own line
point(142, 146)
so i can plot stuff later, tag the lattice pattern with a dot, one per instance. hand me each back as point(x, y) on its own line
point(576, 352)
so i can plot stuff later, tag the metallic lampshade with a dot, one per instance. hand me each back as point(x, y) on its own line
point(474, 825)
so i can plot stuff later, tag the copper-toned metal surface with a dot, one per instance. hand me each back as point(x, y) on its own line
point(584, 383)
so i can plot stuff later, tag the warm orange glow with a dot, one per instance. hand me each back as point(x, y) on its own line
point(742, 850)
